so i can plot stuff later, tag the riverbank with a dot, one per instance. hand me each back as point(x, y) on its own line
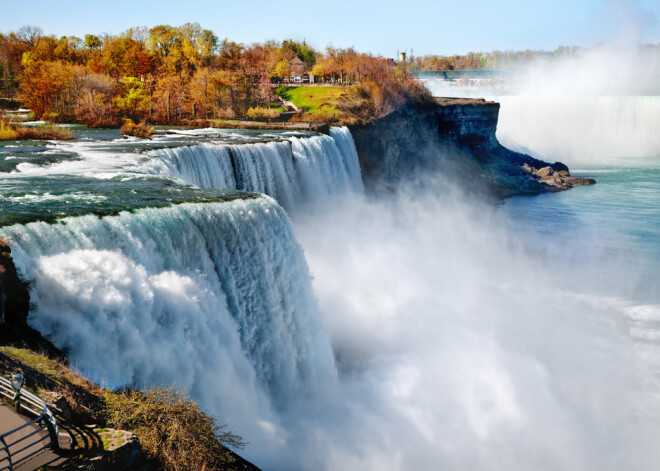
point(12, 132)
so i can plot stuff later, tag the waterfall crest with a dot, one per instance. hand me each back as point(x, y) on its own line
point(291, 171)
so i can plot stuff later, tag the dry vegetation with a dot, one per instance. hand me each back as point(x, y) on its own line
point(129, 128)
point(9, 132)
point(173, 431)
point(261, 112)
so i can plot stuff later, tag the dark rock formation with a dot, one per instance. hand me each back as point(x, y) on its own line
point(457, 138)
point(14, 296)
point(14, 309)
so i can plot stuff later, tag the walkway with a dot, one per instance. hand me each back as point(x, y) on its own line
point(9, 420)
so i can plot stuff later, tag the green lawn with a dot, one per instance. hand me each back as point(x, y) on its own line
point(311, 98)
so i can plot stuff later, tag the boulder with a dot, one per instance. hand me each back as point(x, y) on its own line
point(544, 172)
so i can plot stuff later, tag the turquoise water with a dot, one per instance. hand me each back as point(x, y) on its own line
point(611, 228)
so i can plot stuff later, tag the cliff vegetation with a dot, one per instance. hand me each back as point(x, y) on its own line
point(172, 431)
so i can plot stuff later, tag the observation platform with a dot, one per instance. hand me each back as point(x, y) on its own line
point(25, 443)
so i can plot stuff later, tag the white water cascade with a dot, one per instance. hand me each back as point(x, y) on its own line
point(291, 171)
point(213, 297)
point(581, 130)
point(462, 340)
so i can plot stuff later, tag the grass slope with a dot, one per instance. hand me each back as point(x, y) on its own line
point(312, 98)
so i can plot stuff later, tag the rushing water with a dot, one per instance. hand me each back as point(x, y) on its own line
point(292, 171)
point(421, 329)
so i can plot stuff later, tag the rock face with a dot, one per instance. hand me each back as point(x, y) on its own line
point(457, 138)
point(14, 296)
point(14, 309)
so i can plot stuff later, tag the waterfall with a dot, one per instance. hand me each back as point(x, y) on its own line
point(214, 297)
point(291, 171)
point(581, 130)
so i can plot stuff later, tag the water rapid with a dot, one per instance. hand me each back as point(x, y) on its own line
point(292, 171)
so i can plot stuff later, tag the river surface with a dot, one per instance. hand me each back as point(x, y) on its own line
point(616, 221)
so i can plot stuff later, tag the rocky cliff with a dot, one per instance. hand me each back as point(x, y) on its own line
point(14, 296)
point(457, 138)
point(14, 308)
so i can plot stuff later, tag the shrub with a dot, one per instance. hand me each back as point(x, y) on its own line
point(225, 113)
point(7, 133)
point(44, 132)
point(263, 113)
point(172, 429)
point(129, 128)
point(51, 117)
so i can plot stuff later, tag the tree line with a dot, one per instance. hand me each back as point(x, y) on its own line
point(169, 74)
point(484, 60)
point(495, 60)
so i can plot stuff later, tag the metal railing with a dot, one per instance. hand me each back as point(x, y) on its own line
point(18, 449)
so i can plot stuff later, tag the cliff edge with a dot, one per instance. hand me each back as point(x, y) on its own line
point(457, 138)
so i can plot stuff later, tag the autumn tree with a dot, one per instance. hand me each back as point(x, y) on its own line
point(92, 41)
point(230, 55)
point(282, 69)
point(338, 58)
point(181, 49)
point(203, 91)
point(170, 97)
point(123, 56)
point(95, 107)
point(133, 100)
point(258, 60)
point(300, 50)
point(48, 87)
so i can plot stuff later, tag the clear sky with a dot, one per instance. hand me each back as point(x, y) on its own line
point(377, 26)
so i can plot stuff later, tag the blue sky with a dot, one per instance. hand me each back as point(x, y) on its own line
point(381, 27)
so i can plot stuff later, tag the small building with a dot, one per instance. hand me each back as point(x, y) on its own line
point(298, 67)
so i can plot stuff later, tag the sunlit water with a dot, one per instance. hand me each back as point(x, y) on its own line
point(615, 222)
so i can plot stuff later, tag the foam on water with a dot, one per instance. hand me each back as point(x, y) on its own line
point(292, 171)
point(198, 295)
